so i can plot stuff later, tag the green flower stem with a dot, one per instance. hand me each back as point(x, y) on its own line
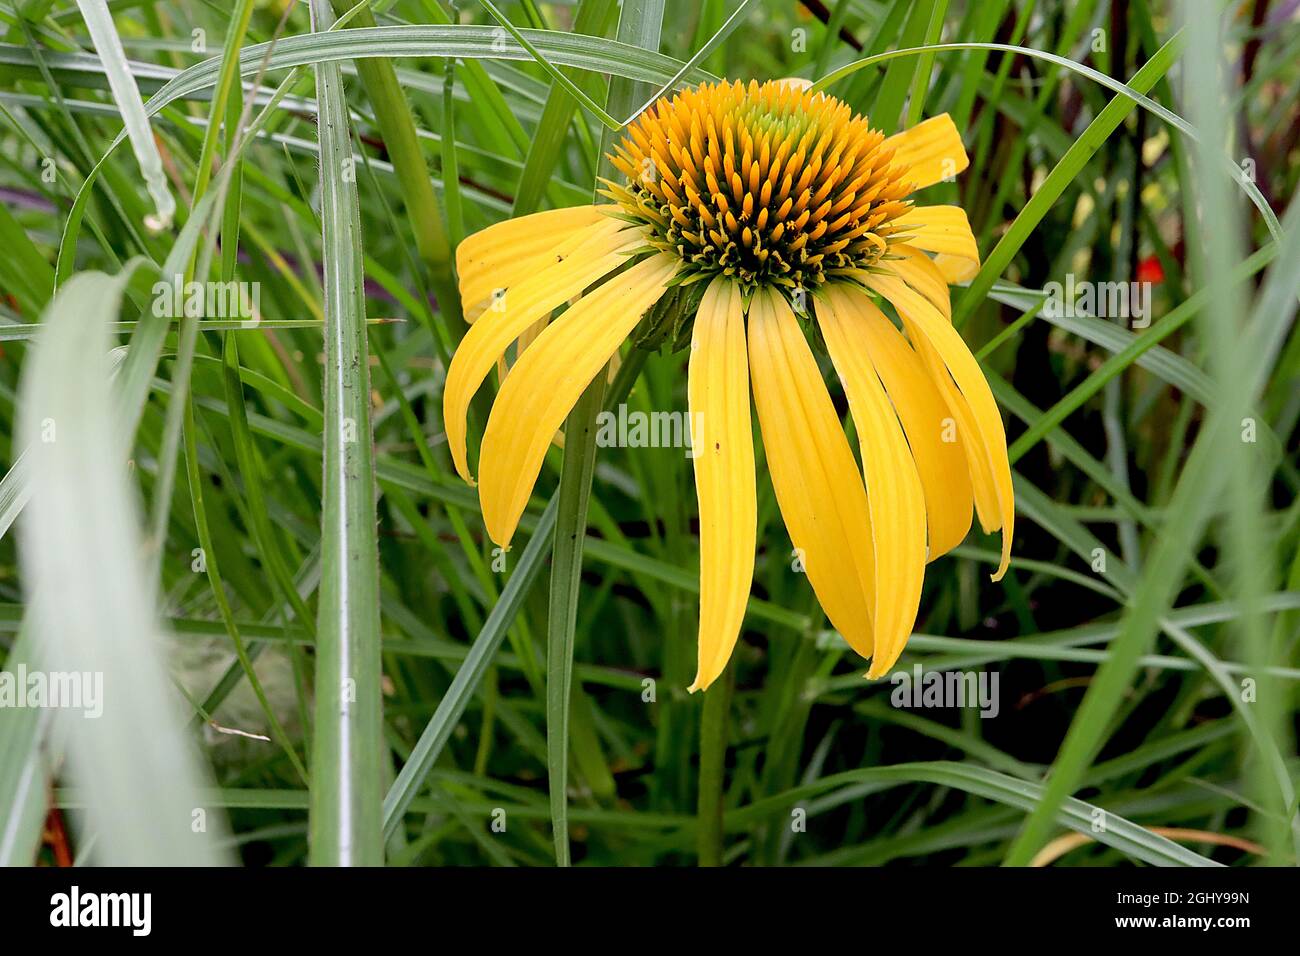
point(639, 24)
point(566, 576)
point(713, 757)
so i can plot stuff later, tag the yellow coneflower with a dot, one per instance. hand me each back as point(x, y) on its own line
point(771, 212)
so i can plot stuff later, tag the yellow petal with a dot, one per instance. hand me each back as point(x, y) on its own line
point(818, 486)
point(931, 151)
point(508, 252)
point(722, 441)
point(983, 487)
point(931, 430)
point(525, 339)
point(546, 382)
point(920, 272)
point(577, 262)
point(925, 323)
point(945, 230)
point(895, 501)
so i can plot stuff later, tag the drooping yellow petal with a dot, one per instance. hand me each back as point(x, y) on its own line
point(818, 486)
point(508, 252)
point(983, 486)
point(546, 382)
point(525, 339)
point(931, 151)
point(722, 443)
point(925, 323)
point(946, 231)
point(529, 335)
point(931, 429)
point(894, 496)
point(580, 260)
point(920, 272)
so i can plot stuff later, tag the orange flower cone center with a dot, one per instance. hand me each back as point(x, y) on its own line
point(767, 183)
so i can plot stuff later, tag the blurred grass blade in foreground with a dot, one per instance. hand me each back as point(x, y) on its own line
point(91, 609)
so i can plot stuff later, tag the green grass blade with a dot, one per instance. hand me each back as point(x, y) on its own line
point(472, 42)
point(1198, 490)
point(127, 96)
point(436, 733)
point(24, 770)
point(545, 149)
point(887, 109)
point(480, 656)
point(397, 126)
point(1131, 839)
point(1062, 174)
